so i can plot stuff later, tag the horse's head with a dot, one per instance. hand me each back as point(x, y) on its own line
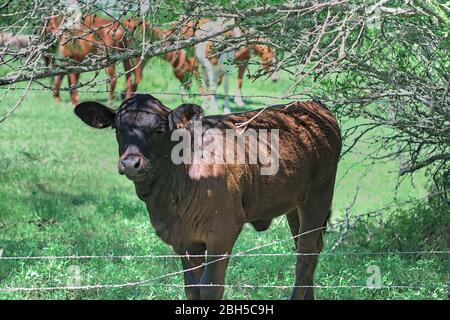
point(268, 60)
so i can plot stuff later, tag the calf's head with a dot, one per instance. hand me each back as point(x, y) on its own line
point(143, 126)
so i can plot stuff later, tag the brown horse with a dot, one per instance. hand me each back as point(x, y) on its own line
point(242, 59)
point(93, 34)
point(182, 65)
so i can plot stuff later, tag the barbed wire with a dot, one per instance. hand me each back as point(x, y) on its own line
point(245, 253)
point(349, 221)
point(99, 91)
point(164, 256)
point(242, 286)
point(329, 51)
point(313, 286)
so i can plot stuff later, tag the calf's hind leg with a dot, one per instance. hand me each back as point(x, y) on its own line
point(294, 224)
point(312, 216)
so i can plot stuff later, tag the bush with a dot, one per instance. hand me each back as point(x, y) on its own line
point(424, 227)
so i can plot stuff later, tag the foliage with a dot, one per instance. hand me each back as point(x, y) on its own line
point(398, 78)
point(423, 227)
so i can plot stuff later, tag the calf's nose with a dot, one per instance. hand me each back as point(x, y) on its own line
point(130, 165)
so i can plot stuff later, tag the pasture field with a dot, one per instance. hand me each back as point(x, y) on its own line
point(60, 194)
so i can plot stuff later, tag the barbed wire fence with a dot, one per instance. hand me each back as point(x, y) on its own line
point(346, 223)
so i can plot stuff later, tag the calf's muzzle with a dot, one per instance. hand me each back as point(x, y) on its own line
point(131, 165)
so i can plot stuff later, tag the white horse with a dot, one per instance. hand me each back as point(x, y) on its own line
point(217, 68)
point(214, 68)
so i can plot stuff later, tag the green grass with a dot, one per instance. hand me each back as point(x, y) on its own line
point(60, 194)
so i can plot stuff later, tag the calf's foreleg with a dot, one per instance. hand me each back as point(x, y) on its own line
point(213, 277)
point(193, 270)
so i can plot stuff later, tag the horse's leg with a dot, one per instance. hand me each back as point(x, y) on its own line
point(188, 73)
point(184, 85)
point(138, 74)
point(219, 79)
point(238, 97)
point(211, 78)
point(181, 76)
point(56, 87)
point(208, 77)
point(73, 82)
point(223, 72)
point(226, 88)
point(111, 71)
point(194, 69)
point(203, 88)
point(128, 79)
point(48, 63)
point(209, 92)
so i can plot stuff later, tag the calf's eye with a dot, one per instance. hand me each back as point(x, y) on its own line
point(160, 131)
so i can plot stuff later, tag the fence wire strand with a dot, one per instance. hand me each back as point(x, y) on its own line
point(242, 286)
point(167, 93)
point(168, 256)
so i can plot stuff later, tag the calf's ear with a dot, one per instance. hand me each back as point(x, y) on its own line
point(179, 117)
point(95, 114)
